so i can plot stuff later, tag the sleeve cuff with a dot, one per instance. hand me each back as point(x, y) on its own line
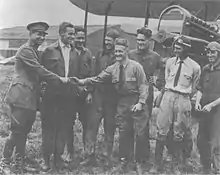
point(141, 101)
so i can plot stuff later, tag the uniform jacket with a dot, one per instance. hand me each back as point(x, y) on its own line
point(24, 90)
point(52, 59)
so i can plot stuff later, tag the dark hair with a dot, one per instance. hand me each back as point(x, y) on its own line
point(63, 26)
point(112, 33)
point(80, 29)
point(122, 42)
point(145, 31)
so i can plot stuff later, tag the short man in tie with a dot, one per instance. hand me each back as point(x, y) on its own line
point(59, 112)
point(131, 85)
point(182, 76)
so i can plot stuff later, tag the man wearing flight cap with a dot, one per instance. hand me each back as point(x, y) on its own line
point(131, 85)
point(181, 75)
point(104, 102)
point(23, 93)
point(151, 62)
point(208, 106)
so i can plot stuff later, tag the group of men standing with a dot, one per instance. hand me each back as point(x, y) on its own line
point(116, 86)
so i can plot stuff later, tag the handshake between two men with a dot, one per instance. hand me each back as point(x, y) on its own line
point(82, 82)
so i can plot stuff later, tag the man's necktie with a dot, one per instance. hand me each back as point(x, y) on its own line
point(178, 74)
point(121, 77)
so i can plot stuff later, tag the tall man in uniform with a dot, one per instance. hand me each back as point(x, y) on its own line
point(150, 61)
point(208, 105)
point(23, 94)
point(85, 69)
point(104, 103)
point(59, 102)
point(182, 76)
point(131, 85)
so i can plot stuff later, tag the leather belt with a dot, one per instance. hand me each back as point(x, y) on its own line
point(178, 92)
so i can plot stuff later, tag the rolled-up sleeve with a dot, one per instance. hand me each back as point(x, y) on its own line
point(100, 78)
point(142, 84)
point(196, 80)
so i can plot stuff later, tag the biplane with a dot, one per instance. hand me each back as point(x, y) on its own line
point(192, 14)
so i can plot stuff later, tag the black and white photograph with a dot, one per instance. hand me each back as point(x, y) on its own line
point(109, 87)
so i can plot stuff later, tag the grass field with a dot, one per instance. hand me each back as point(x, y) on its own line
point(33, 149)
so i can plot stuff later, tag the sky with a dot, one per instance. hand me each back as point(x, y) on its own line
point(22, 12)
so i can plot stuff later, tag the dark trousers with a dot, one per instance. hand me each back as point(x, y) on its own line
point(101, 108)
point(132, 129)
point(204, 141)
point(82, 109)
point(21, 124)
point(58, 116)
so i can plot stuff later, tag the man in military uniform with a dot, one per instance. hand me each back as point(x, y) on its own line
point(208, 107)
point(104, 103)
point(182, 75)
point(85, 69)
point(150, 61)
point(59, 102)
point(23, 94)
point(131, 85)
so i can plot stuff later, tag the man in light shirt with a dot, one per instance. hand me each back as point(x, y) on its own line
point(182, 76)
point(58, 111)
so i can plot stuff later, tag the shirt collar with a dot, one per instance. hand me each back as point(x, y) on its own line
point(216, 66)
point(62, 45)
point(125, 63)
point(178, 60)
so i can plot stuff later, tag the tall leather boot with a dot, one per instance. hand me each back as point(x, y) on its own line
point(157, 167)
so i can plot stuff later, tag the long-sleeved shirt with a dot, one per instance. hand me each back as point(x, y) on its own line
point(189, 75)
point(135, 79)
point(151, 61)
point(66, 56)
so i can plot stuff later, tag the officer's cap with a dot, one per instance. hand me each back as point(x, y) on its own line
point(145, 31)
point(38, 27)
point(182, 41)
point(113, 34)
point(214, 46)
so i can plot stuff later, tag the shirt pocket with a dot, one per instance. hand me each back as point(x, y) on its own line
point(171, 76)
point(131, 84)
point(185, 79)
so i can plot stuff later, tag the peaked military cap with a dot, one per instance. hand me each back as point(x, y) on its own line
point(38, 27)
point(182, 41)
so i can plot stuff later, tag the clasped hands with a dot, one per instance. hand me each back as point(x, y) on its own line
point(73, 80)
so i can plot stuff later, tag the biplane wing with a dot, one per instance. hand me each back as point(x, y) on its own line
point(204, 9)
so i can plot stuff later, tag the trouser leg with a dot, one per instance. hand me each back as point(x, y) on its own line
point(95, 115)
point(203, 142)
point(126, 139)
point(109, 125)
point(82, 109)
point(19, 130)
